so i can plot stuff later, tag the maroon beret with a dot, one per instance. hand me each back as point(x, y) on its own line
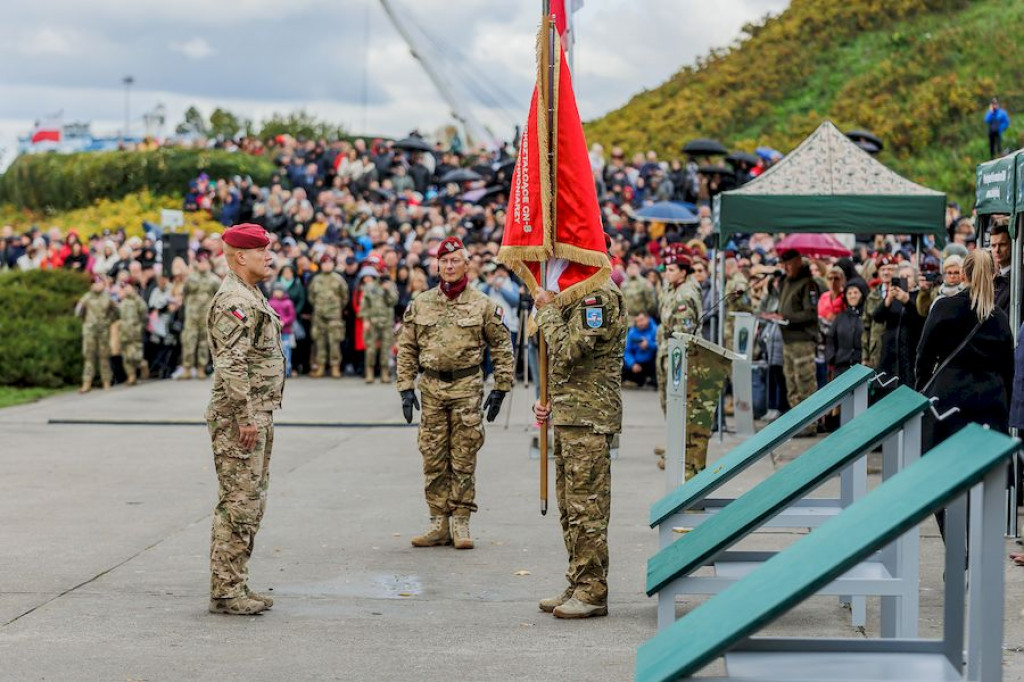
point(449, 245)
point(326, 259)
point(246, 236)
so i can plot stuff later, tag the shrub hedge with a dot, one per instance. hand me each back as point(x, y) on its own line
point(40, 337)
point(64, 181)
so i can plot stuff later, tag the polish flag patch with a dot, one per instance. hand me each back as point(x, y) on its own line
point(237, 312)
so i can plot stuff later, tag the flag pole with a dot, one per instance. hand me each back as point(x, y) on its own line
point(547, 68)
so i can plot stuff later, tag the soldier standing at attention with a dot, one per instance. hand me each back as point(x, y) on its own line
point(328, 292)
point(248, 380)
point(798, 306)
point(377, 311)
point(444, 334)
point(134, 316)
point(97, 311)
point(680, 309)
point(199, 289)
point(638, 293)
point(586, 340)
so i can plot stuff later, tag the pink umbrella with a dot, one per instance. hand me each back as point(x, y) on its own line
point(812, 244)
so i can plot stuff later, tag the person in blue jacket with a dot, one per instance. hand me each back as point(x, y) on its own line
point(997, 121)
point(638, 362)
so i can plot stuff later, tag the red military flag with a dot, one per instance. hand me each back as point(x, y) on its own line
point(553, 216)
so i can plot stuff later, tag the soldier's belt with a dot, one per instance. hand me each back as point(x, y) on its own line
point(451, 375)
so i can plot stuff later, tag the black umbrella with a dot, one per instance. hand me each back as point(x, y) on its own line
point(737, 158)
point(414, 144)
point(865, 136)
point(704, 147)
point(503, 171)
point(869, 147)
point(482, 197)
point(460, 175)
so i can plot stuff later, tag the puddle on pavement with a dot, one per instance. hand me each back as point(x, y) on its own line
point(370, 586)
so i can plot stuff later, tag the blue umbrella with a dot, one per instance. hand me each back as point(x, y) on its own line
point(667, 212)
point(768, 154)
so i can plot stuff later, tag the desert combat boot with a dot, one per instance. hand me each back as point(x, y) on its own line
point(460, 532)
point(267, 600)
point(239, 606)
point(551, 603)
point(439, 534)
point(574, 608)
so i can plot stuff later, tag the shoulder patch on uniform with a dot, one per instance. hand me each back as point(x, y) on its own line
point(498, 312)
point(593, 317)
point(594, 299)
point(681, 308)
point(238, 313)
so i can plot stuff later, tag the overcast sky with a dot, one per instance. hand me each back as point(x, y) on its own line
point(256, 57)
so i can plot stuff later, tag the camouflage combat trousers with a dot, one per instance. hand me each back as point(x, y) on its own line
point(451, 433)
point(798, 366)
point(328, 334)
point(96, 353)
point(706, 374)
point(131, 353)
point(195, 345)
point(243, 478)
point(583, 486)
point(378, 337)
point(661, 370)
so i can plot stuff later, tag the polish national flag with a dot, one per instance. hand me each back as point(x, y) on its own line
point(561, 9)
point(47, 130)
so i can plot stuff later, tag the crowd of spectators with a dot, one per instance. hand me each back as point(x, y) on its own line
point(350, 201)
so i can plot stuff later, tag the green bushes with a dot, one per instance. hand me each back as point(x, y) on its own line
point(63, 181)
point(40, 338)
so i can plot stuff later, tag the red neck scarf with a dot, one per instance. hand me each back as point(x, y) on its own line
point(453, 289)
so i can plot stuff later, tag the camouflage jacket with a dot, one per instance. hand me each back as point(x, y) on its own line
point(871, 339)
point(97, 311)
point(738, 294)
point(639, 296)
point(378, 304)
point(198, 292)
point(444, 335)
point(328, 293)
point(586, 341)
point(680, 309)
point(134, 316)
point(248, 362)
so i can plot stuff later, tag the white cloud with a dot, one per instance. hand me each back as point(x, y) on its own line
point(197, 48)
point(268, 56)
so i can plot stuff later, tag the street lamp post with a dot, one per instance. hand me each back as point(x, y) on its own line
point(127, 80)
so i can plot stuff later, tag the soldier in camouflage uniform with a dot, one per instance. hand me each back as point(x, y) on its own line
point(680, 308)
point(134, 316)
point(871, 340)
point(328, 292)
point(248, 362)
point(798, 306)
point(638, 293)
point(97, 311)
point(586, 340)
point(199, 289)
point(377, 310)
point(445, 332)
point(736, 296)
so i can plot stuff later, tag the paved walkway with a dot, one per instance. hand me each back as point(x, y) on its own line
point(104, 532)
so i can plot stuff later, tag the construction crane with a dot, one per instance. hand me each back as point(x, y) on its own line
point(475, 131)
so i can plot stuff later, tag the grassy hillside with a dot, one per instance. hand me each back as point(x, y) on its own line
point(918, 73)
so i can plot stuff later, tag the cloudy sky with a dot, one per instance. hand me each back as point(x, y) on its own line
point(341, 59)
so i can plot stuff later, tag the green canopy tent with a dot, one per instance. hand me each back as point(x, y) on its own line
point(829, 184)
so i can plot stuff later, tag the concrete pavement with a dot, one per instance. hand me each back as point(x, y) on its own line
point(104, 532)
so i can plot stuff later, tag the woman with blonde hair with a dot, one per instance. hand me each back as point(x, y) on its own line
point(965, 357)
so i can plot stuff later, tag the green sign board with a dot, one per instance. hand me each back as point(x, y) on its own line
point(995, 186)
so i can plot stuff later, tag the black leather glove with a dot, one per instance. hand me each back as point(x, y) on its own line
point(409, 401)
point(493, 404)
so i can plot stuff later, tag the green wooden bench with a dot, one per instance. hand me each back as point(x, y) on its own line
point(848, 389)
point(724, 623)
point(893, 576)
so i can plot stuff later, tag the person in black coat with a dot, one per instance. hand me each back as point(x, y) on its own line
point(979, 378)
point(843, 343)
